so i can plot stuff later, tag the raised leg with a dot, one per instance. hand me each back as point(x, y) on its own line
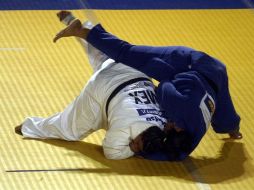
point(75, 28)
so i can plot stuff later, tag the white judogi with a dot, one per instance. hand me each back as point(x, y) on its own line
point(131, 111)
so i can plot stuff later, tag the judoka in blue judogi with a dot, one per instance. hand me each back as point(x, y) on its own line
point(193, 87)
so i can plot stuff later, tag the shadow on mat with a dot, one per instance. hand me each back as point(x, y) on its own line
point(229, 164)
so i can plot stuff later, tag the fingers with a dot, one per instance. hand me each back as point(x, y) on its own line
point(192, 78)
point(236, 135)
point(191, 75)
point(183, 83)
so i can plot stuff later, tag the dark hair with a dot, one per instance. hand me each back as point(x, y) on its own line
point(176, 143)
point(152, 139)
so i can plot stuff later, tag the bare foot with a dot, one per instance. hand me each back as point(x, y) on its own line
point(74, 29)
point(18, 129)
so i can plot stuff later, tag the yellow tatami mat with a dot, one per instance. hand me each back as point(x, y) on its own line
point(39, 78)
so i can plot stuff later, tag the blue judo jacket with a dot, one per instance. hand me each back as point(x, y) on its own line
point(193, 88)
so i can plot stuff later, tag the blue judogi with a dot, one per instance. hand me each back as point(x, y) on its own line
point(193, 88)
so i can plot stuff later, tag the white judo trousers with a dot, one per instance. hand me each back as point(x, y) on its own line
point(131, 111)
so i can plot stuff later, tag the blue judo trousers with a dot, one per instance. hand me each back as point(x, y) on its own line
point(193, 86)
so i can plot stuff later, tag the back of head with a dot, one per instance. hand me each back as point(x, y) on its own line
point(177, 143)
point(153, 139)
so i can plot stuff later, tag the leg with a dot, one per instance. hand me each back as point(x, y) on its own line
point(78, 120)
point(96, 57)
point(225, 118)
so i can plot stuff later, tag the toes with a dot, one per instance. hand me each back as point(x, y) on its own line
point(55, 39)
point(59, 35)
point(18, 130)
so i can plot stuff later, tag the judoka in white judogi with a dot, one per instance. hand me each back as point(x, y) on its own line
point(129, 112)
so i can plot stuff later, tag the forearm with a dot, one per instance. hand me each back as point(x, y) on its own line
point(116, 152)
point(116, 144)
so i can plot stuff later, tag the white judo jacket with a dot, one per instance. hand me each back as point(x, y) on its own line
point(131, 111)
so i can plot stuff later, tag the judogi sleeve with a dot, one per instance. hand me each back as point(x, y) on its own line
point(180, 98)
point(116, 144)
point(172, 101)
point(146, 59)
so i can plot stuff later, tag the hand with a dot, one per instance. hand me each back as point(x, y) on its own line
point(171, 125)
point(189, 84)
point(235, 135)
point(18, 130)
